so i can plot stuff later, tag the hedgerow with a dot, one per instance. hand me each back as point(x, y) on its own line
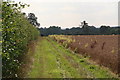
point(17, 32)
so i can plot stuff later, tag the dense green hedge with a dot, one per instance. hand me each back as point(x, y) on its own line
point(17, 32)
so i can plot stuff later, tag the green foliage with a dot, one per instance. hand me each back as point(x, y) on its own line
point(104, 29)
point(85, 30)
point(17, 32)
point(33, 19)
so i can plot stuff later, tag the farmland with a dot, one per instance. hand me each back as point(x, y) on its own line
point(102, 49)
point(26, 54)
point(52, 60)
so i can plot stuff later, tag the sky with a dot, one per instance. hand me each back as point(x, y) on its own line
point(70, 13)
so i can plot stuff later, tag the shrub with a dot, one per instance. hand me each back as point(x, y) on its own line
point(17, 32)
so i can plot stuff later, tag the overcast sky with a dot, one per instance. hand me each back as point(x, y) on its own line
point(69, 13)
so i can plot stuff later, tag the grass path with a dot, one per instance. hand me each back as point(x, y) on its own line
point(51, 60)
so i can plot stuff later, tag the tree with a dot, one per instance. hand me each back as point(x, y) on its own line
point(84, 24)
point(33, 19)
point(104, 29)
point(85, 27)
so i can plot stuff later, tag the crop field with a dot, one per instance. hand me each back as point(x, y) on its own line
point(102, 49)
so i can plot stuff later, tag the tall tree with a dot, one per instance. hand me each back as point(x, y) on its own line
point(85, 27)
point(33, 19)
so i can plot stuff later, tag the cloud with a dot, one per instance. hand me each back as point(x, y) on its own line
point(71, 13)
point(69, 0)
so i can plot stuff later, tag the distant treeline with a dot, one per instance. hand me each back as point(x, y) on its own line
point(85, 30)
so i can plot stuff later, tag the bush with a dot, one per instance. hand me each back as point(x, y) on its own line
point(17, 32)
